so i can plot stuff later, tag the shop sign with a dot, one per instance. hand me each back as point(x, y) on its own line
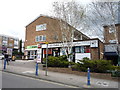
point(92, 43)
point(33, 46)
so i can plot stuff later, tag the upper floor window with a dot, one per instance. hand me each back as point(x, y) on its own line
point(111, 29)
point(5, 38)
point(10, 44)
point(16, 41)
point(5, 43)
point(40, 38)
point(41, 27)
point(112, 41)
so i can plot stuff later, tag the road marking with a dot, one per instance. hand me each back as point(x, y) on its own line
point(24, 61)
point(106, 84)
point(52, 82)
point(28, 72)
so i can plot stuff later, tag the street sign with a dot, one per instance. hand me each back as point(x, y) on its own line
point(39, 46)
point(46, 42)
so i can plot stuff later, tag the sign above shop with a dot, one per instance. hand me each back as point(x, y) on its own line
point(92, 43)
point(33, 46)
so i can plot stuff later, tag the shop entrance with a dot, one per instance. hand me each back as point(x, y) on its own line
point(32, 54)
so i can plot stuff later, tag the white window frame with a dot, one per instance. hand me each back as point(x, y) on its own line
point(111, 29)
point(41, 27)
point(40, 38)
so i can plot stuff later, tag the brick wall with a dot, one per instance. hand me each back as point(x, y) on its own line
point(111, 36)
point(97, 53)
point(11, 41)
point(53, 29)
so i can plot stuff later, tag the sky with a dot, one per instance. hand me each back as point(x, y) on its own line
point(16, 14)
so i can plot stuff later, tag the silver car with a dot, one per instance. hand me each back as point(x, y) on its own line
point(1, 56)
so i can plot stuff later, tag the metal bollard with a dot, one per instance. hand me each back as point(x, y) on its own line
point(88, 77)
point(5, 64)
point(36, 69)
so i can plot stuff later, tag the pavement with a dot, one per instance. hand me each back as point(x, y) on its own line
point(27, 68)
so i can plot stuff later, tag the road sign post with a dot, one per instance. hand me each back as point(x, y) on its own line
point(46, 57)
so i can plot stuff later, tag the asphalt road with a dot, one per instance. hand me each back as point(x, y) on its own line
point(16, 81)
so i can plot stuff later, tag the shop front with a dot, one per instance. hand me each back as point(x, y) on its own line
point(31, 52)
point(80, 49)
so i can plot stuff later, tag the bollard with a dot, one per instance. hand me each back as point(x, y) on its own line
point(88, 77)
point(36, 69)
point(5, 64)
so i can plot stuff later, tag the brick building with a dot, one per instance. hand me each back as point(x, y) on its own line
point(8, 43)
point(47, 29)
point(112, 42)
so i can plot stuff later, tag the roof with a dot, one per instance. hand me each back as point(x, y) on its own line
point(41, 15)
point(9, 36)
point(112, 24)
point(55, 19)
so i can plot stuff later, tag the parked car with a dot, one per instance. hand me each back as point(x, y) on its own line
point(1, 56)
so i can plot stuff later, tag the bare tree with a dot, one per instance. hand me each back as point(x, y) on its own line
point(70, 15)
point(103, 13)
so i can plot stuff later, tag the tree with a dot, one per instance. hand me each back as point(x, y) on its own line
point(69, 14)
point(20, 46)
point(103, 13)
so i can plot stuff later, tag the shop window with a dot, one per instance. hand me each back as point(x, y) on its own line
point(49, 51)
point(87, 49)
point(82, 49)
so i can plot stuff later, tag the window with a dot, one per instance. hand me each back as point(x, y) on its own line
point(82, 49)
point(10, 44)
point(16, 41)
point(112, 41)
point(41, 27)
point(4, 41)
point(40, 38)
point(111, 29)
point(44, 38)
point(55, 37)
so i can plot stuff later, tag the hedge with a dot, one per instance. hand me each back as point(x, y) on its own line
point(98, 66)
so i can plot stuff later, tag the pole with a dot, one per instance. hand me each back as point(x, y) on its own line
point(46, 59)
point(4, 64)
point(88, 77)
point(118, 48)
point(36, 69)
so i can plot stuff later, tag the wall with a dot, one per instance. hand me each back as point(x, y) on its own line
point(50, 32)
point(111, 36)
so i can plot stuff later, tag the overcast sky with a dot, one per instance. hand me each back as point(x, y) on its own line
point(16, 14)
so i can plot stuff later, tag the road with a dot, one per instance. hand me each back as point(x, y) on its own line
point(16, 81)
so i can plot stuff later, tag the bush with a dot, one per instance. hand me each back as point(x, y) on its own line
point(98, 66)
point(60, 61)
point(116, 68)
